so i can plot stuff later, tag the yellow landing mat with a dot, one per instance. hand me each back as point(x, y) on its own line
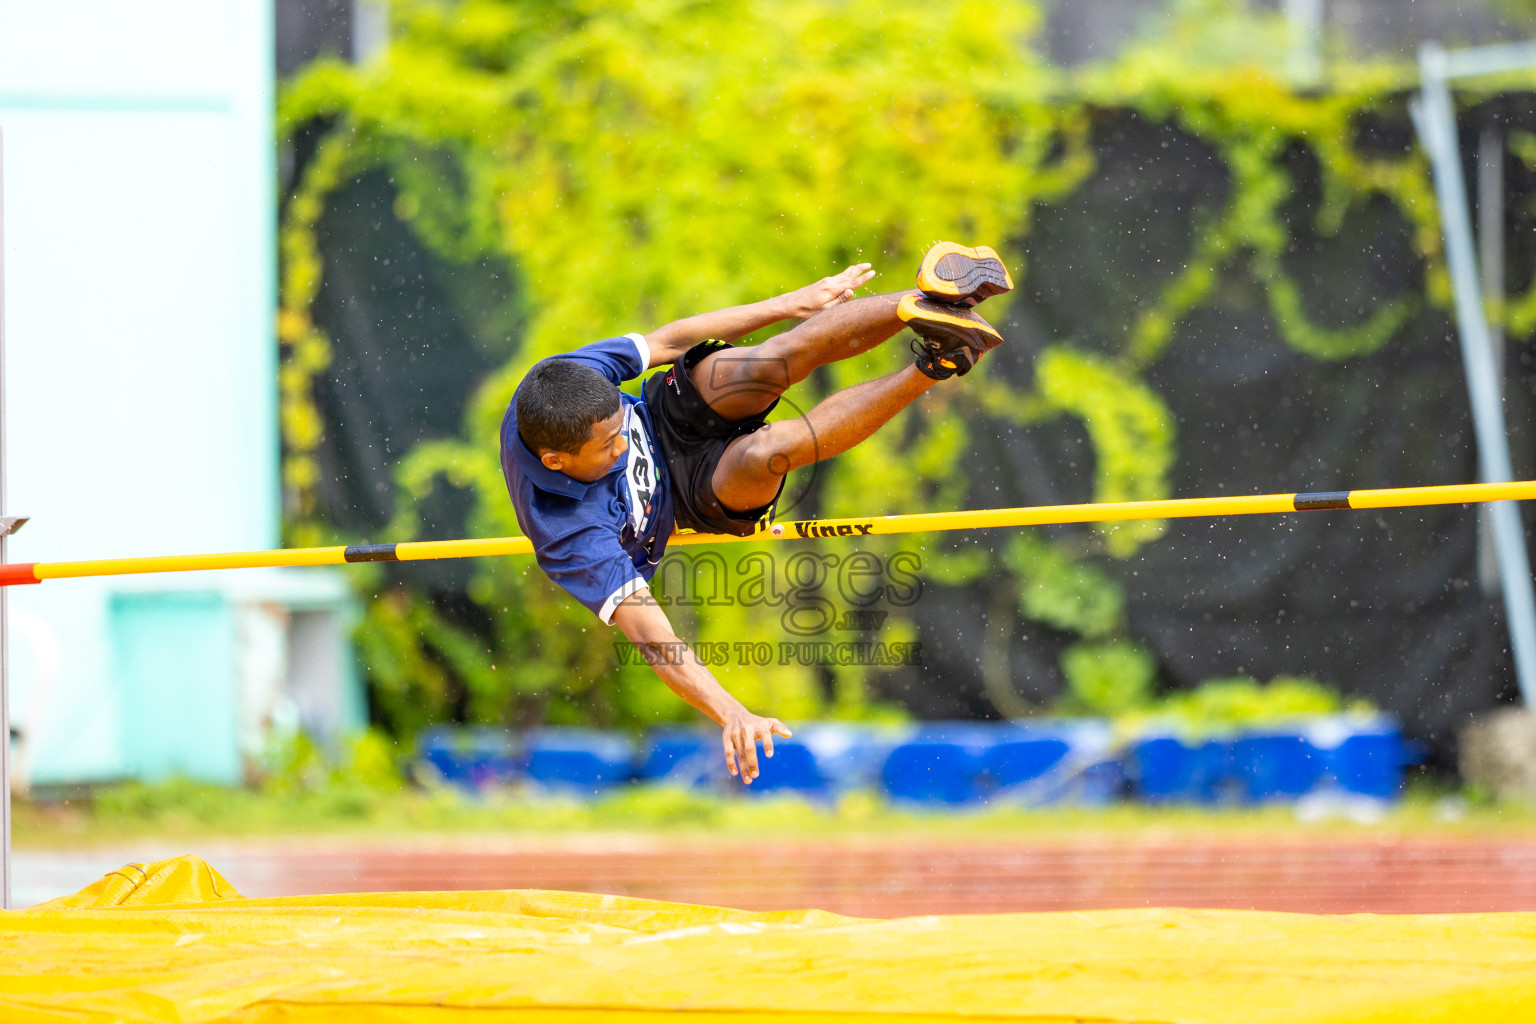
point(173, 941)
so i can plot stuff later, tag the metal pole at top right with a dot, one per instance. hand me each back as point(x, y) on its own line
point(1435, 118)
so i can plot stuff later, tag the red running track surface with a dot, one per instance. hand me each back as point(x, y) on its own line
point(875, 878)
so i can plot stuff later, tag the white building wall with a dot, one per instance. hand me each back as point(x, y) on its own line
point(141, 362)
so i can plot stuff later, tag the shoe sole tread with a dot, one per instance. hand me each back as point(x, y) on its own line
point(961, 275)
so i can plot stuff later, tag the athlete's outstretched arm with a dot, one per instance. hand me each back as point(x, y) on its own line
point(642, 620)
point(669, 342)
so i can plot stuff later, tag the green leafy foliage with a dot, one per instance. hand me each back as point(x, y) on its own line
point(1109, 678)
point(410, 689)
point(1220, 704)
point(1065, 593)
point(1131, 430)
point(368, 761)
point(178, 809)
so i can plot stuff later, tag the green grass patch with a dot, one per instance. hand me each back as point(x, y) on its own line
point(182, 809)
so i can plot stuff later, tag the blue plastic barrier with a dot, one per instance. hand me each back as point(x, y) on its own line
point(1019, 761)
point(822, 758)
point(940, 764)
point(471, 759)
point(792, 768)
point(1054, 762)
point(850, 755)
point(682, 757)
point(580, 760)
point(1275, 766)
point(1165, 769)
point(1357, 755)
point(957, 763)
point(1103, 782)
point(694, 759)
point(1372, 765)
point(1364, 757)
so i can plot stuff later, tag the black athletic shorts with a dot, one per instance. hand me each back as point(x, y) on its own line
point(692, 437)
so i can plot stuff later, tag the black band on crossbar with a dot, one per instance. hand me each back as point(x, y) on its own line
point(371, 553)
point(1322, 500)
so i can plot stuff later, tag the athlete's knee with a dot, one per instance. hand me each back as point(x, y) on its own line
point(755, 369)
point(763, 454)
point(787, 359)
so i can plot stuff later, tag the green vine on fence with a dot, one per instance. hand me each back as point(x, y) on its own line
point(634, 164)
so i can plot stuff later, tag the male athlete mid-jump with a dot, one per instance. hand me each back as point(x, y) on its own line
point(600, 478)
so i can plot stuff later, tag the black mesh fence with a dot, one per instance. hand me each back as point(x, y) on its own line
point(1391, 605)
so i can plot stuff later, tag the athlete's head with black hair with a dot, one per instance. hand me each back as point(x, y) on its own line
point(570, 416)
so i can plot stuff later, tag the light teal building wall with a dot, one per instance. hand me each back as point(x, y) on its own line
point(208, 678)
point(141, 361)
point(172, 660)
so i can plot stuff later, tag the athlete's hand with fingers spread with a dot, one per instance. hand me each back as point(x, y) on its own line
point(741, 734)
point(829, 291)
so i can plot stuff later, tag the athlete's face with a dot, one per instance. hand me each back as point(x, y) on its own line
point(601, 452)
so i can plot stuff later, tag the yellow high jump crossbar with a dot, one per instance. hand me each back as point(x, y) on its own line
point(1045, 515)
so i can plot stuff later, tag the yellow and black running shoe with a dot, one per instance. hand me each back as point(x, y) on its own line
point(953, 337)
point(960, 276)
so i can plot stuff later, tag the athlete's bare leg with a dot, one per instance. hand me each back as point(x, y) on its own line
point(742, 382)
point(753, 466)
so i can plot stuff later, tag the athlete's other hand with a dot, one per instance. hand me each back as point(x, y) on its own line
point(740, 736)
point(829, 291)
